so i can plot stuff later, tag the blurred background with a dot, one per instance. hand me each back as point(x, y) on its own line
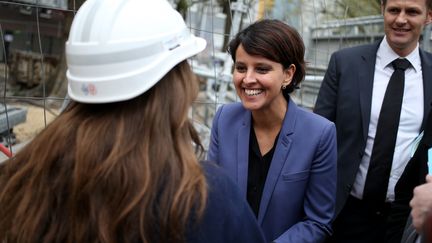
point(33, 83)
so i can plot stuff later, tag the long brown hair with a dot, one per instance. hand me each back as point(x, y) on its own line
point(119, 172)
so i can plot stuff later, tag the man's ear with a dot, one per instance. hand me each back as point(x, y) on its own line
point(429, 17)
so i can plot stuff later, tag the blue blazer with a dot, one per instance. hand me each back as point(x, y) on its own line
point(298, 199)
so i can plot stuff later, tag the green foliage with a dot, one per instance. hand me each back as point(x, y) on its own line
point(352, 8)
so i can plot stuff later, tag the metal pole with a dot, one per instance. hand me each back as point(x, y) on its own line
point(225, 77)
point(426, 43)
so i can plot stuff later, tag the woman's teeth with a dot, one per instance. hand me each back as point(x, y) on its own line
point(251, 92)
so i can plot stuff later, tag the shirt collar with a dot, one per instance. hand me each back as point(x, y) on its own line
point(386, 55)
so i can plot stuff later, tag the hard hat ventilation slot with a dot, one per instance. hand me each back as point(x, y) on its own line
point(172, 43)
point(174, 47)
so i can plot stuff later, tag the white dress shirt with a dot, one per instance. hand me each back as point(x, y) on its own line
point(410, 119)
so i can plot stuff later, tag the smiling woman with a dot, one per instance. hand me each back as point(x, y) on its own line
point(282, 157)
point(258, 82)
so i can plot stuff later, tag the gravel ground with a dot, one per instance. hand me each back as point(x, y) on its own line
point(36, 120)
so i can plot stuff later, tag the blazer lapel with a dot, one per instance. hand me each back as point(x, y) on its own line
point(426, 63)
point(366, 72)
point(243, 153)
point(279, 158)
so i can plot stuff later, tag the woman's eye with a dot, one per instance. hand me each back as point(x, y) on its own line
point(240, 69)
point(262, 70)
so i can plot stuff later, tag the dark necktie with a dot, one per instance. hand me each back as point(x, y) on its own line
point(377, 178)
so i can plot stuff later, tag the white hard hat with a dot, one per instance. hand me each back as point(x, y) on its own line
point(118, 49)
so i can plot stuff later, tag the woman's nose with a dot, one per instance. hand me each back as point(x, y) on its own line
point(249, 78)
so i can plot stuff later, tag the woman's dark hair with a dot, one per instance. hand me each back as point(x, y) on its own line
point(276, 41)
point(118, 172)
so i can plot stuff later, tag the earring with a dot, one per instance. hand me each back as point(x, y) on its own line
point(285, 85)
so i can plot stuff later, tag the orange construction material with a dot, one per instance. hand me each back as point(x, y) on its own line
point(5, 150)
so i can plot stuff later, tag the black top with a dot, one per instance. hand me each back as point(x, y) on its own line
point(258, 168)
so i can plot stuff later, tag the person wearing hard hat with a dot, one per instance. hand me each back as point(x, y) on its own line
point(119, 165)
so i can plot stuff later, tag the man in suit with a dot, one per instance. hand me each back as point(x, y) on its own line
point(352, 95)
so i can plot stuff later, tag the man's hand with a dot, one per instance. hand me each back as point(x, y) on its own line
point(421, 204)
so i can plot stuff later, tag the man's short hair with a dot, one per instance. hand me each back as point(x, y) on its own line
point(428, 3)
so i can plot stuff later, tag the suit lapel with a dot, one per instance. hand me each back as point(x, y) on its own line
point(426, 62)
point(243, 153)
point(427, 136)
point(279, 158)
point(366, 72)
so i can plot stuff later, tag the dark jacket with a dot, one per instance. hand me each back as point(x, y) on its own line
point(414, 175)
point(227, 218)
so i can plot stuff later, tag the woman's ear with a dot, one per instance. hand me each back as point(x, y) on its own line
point(289, 74)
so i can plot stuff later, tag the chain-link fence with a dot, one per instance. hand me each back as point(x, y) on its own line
point(32, 63)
